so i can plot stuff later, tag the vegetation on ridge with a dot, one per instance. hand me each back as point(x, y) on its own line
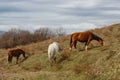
point(98, 63)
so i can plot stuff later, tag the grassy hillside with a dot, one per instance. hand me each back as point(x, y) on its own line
point(98, 63)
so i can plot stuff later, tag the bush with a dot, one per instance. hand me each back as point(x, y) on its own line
point(15, 37)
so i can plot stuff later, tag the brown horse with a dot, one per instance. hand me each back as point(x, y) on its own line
point(84, 37)
point(16, 52)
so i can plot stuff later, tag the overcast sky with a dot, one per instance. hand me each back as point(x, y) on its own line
point(72, 15)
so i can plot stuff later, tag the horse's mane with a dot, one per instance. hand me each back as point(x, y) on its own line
point(13, 49)
point(96, 37)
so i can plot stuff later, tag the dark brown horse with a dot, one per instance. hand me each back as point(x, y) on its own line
point(16, 52)
point(84, 37)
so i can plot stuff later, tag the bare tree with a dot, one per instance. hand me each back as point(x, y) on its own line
point(43, 34)
point(60, 31)
point(15, 37)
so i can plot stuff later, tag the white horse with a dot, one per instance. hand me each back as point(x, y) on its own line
point(53, 50)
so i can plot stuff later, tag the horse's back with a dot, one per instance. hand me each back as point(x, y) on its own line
point(53, 47)
point(16, 51)
point(50, 48)
point(82, 36)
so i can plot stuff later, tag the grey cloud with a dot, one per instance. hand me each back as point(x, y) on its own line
point(59, 12)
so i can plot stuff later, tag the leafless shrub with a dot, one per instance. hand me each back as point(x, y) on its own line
point(16, 37)
point(60, 32)
point(43, 34)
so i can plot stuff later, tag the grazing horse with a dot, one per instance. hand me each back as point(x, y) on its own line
point(53, 49)
point(84, 37)
point(16, 52)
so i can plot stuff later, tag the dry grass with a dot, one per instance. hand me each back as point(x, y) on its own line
point(85, 68)
point(98, 63)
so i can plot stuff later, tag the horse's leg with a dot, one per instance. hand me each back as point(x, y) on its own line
point(86, 47)
point(50, 61)
point(11, 59)
point(17, 59)
point(75, 44)
point(54, 59)
point(54, 56)
point(24, 55)
point(86, 44)
point(71, 46)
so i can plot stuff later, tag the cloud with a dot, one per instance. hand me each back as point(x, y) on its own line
point(39, 26)
point(30, 14)
point(6, 27)
point(67, 27)
point(78, 27)
point(79, 3)
point(112, 12)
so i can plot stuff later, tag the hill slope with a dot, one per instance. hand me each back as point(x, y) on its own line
point(98, 63)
